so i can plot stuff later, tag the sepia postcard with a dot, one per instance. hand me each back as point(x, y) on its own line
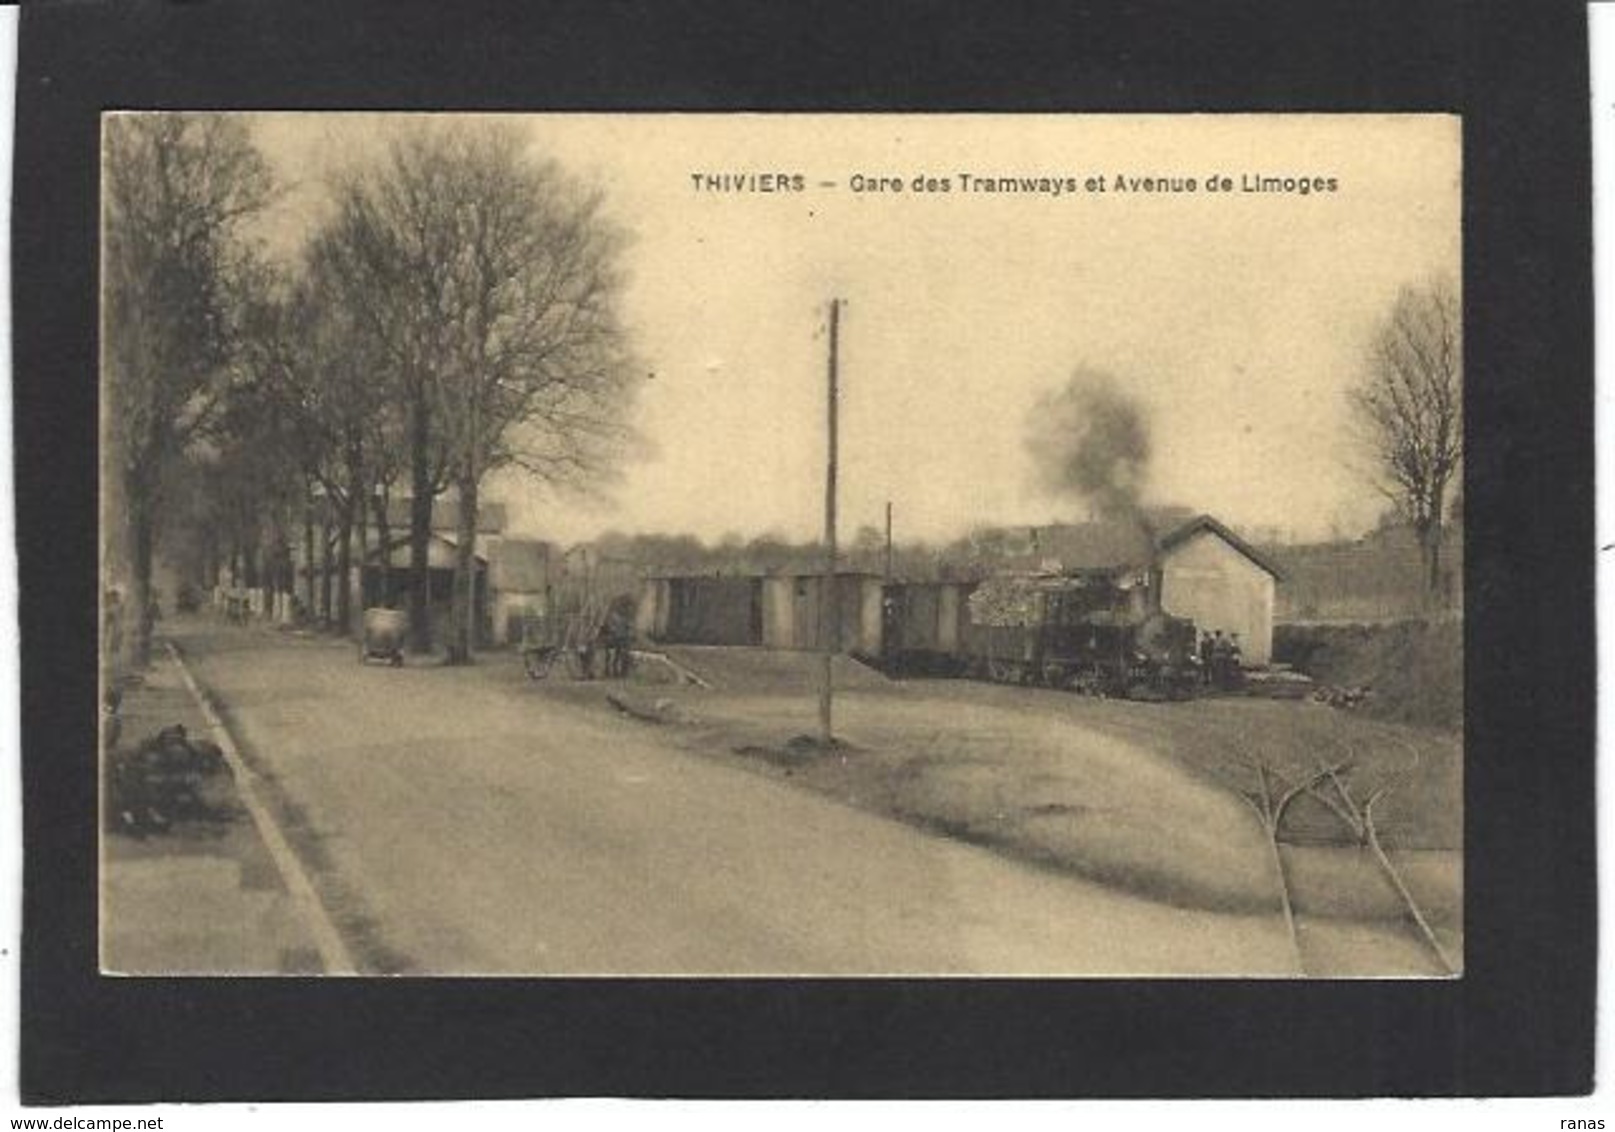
point(739, 544)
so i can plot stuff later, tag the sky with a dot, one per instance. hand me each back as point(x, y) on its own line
point(1238, 320)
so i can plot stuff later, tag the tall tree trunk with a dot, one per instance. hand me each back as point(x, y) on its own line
point(420, 526)
point(344, 569)
point(140, 488)
point(384, 545)
point(364, 553)
point(249, 556)
point(289, 570)
point(281, 574)
point(325, 573)
point(309, 604)
point(1430, 545)
point(210, 560)
point(352, 512)
point(137, 610)
point(463, 644)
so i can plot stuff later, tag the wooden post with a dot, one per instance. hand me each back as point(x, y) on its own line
point(829, 603)
point(888, 542)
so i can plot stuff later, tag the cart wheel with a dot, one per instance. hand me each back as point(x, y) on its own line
point(537, 663)
point(398, 660)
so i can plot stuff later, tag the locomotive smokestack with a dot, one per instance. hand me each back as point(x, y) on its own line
point(1152, 560)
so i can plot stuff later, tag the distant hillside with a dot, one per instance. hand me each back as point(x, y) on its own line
point(1375, 578)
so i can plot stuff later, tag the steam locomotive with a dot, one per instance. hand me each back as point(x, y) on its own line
point(1099, 632)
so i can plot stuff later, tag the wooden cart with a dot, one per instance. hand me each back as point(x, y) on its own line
point(569, 640)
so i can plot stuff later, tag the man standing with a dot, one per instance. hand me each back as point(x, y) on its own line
point(617, 637)
point(1219, 660)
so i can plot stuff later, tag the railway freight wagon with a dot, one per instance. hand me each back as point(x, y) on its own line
point(701, 610)
point(1098, 632)
point(923, 625)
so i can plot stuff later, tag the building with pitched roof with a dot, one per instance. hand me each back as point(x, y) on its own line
point(1206, 571)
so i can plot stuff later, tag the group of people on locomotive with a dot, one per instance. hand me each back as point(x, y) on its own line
point(1219, 660)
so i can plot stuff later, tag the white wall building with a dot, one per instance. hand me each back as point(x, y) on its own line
point(1215, 578)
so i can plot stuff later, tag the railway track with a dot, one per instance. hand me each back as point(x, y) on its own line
point(1345, 784)
point(1272, 781)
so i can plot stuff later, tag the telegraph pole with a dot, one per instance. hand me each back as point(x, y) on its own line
point(888, 542)
point(829, 597)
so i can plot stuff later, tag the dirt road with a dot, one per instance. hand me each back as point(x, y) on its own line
point(455, 824)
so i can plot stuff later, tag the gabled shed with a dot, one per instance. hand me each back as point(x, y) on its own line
point(1222, 583)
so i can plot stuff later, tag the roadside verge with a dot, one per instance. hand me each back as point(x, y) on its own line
point(208, 894)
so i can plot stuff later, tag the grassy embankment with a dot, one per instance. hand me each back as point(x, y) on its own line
point(1150, 798)
point(1413, 669)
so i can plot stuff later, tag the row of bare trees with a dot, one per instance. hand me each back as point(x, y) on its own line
point(177, 193)
point(453, 312)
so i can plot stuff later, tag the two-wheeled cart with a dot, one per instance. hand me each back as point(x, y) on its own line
point(569, 640)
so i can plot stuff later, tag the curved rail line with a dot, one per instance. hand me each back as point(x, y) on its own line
point(1273, 785)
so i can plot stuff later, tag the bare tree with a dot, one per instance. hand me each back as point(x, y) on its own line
point(178, 188)
point(326, 371)
point(1409, 410)
point(389, 254)
point(540, 378)
point(251, 460)
point(496, 279)
point(868, 549)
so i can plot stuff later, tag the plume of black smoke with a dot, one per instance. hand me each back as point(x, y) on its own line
point(1091, 439)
